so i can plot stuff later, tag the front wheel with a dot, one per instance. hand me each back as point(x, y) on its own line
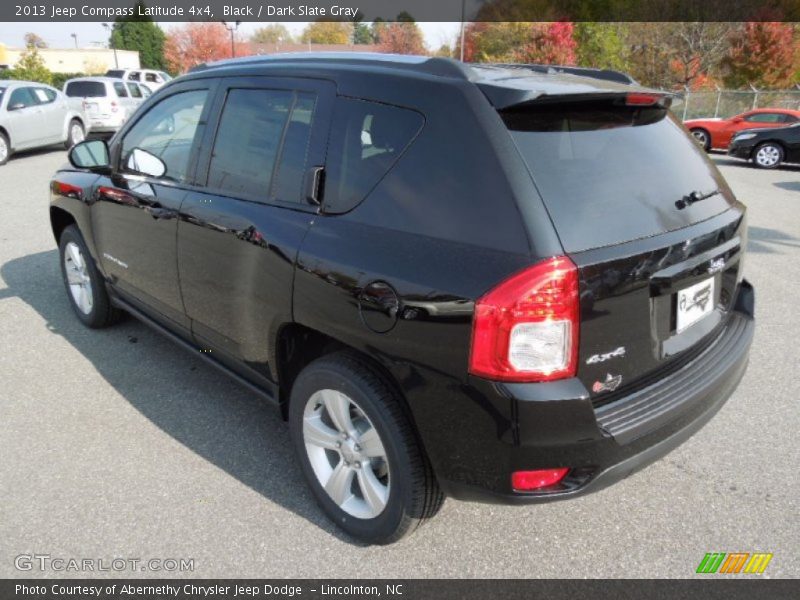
point(5, 149)
point(358, 450)
point(75, 134)
point(768, 155)
point(85, 287)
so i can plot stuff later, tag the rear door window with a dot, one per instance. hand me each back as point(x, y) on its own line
point(366, 141)
point(261, 147)
point(119, 87)
point(85, 89)
point(609, 173)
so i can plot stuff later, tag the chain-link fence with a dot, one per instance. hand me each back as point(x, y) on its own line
point(727, 103)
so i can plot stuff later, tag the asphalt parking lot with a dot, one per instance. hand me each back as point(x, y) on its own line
point(117, 443)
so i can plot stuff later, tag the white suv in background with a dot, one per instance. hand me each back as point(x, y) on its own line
point(108, 102)
point(151, 78)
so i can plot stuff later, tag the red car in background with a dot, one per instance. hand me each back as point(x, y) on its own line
point(717, 133)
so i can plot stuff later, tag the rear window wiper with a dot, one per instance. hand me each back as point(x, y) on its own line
point(693, 197)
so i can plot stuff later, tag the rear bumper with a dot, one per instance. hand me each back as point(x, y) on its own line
point(557, 425)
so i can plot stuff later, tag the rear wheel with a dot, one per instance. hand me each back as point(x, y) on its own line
point(75, 134)
point(5, 149)
point(85, 287)
point(358, 450)
point(703, 138)
point(768, 155)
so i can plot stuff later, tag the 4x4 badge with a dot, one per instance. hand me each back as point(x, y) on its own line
point(609, 385)
point(598, 358)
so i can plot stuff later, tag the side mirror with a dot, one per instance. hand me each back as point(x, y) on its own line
point(92, 155)
point(142, 161)
point(16, 106)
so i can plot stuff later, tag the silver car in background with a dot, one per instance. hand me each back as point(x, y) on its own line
point(108, 102)
point(34, 115)
point(150, 77)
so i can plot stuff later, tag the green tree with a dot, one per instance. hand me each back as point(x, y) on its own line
point(327, 32)
point(600, 45)
point(142, 34)
point(274, 33)
point(31, 67)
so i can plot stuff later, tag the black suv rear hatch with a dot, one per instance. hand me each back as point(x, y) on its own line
point(653, 228)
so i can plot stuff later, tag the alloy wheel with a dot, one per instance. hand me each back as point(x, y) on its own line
point(346, 454)
point(76, 134)
point(701, 137)
point(78, 279)
point(768, 156)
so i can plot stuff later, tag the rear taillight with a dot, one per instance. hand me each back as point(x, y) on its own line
point(526, 328)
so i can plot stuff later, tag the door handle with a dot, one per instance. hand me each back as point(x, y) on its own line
point(313, 185)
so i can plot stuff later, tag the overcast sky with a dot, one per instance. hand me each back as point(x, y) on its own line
point(58, 35)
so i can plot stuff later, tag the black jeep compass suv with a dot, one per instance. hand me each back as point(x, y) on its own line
point(501, 283)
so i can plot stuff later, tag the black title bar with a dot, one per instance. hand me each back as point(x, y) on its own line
point(419, 10)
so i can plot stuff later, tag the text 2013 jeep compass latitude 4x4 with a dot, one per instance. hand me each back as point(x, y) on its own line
point(499, 283)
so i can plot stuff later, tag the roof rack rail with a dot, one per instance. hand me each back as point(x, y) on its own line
point(442, 67)
point(604, 74)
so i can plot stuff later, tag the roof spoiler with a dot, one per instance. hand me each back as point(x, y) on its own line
point(604, 74)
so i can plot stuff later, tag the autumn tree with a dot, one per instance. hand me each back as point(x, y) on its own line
point(493, 42)
point(601, 45)
point(195, 43)
point(549, 43)
point(140, 33)
point(763, 54)
point(34, 40)
point(327, 32)
point(274, 33)
point(401, 38)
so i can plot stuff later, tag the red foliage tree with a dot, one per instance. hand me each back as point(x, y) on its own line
point(550, 43)
point(763, 54)
point(401, 38)
point(195, 43)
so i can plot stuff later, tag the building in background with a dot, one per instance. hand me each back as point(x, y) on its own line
point(75, 60)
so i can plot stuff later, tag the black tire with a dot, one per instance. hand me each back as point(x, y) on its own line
point(71, 138)
point(703, 138)
point(413, 493)
point(768, 155)
point(4, 156)
point(101, 313)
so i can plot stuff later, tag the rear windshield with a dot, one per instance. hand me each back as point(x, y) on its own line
point(115, 74)
point(85, 89)
point(609, 173)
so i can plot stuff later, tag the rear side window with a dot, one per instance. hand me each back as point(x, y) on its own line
point(85, 89)
point(765, 118)
point(119, 87)
point(134, 76)
point(610, 174)
point(366, 140)
point(261, 145)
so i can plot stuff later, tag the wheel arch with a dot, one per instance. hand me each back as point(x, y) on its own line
point(6, 133)
point(298, 345)
point(60, 219)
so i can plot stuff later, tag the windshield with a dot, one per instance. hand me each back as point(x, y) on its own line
point(85, 89)
point(609, 173)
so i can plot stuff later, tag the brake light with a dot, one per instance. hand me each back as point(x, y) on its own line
point(639, 99)
point(526, 328)
point(526, 481)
